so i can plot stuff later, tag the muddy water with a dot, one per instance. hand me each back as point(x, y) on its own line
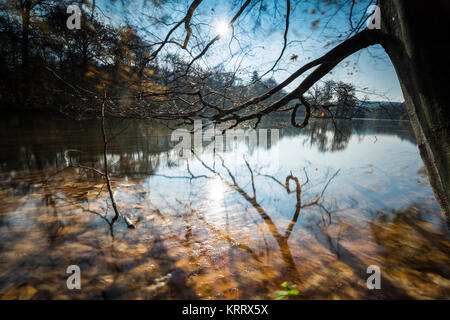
point(218, 225)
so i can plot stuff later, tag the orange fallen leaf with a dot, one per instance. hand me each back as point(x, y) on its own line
point(315, 23)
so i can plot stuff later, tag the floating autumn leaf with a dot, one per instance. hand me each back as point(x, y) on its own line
point(89, 74)
point(315, 23)
point(323, 114)
point(327, 44)
point(313, 11)
point(294, 57)
point(127, 68)
point(131, 111)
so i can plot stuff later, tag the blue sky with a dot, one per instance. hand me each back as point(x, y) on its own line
point(259, 38)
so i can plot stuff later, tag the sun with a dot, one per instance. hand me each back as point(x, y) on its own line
point(216, 190)
point(222, 28)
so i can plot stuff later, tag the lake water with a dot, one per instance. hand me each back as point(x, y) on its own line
point(218, 225)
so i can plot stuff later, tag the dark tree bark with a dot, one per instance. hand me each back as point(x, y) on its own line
point(25, 13)
point(414, 39)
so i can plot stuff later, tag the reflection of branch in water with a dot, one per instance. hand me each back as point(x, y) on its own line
point(298, 194)
point(291, 185)
point(317, 202)
point(191, 177)
point(253, 178)
point(105, 165)
point(221, 234)
point(281, 239)
point(233, 242)
point(104, 217)
point(105, 173)
point(84, 209)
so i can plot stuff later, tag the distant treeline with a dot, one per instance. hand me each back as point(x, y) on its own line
point(384, 110)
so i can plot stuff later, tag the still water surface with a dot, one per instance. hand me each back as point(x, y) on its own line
point(218, 226)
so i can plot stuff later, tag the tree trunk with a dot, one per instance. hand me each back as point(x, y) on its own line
point(25, 13)
point(411, 32)
point(25, 41)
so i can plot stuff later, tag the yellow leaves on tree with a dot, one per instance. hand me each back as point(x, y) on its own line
point(148, 71)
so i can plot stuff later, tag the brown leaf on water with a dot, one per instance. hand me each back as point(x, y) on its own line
point(21, 293)
point(315, 23)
